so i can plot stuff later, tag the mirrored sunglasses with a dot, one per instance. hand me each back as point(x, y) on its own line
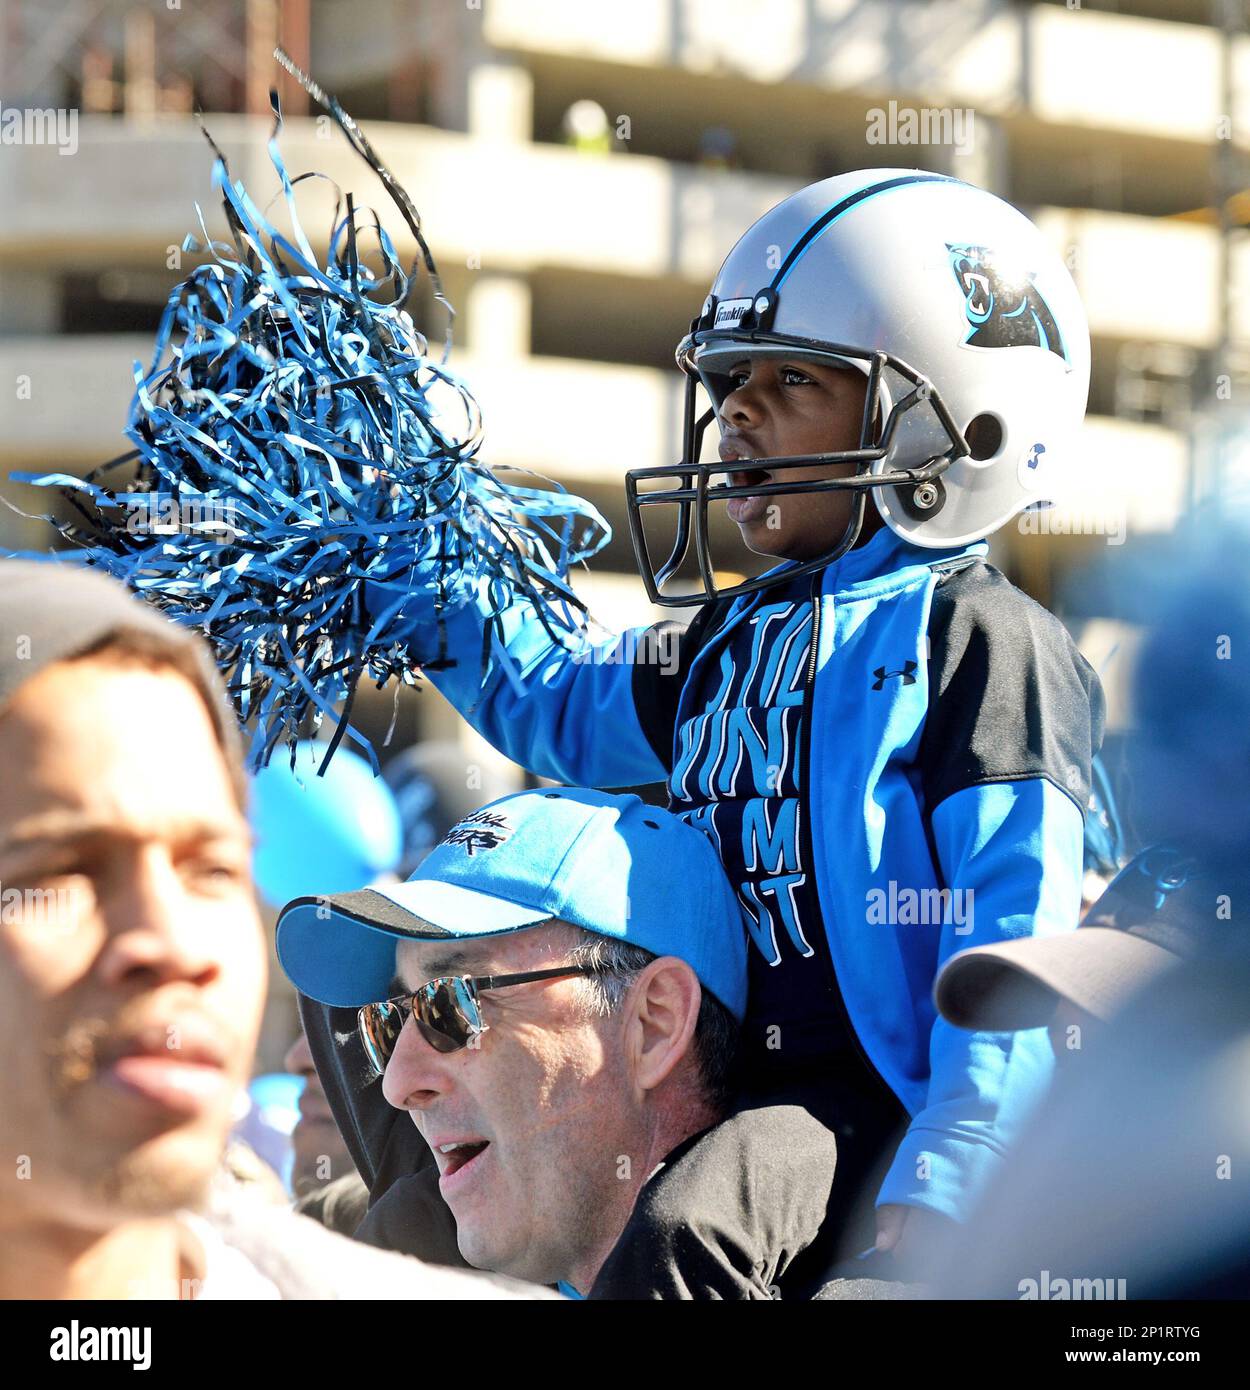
point(447, 1011)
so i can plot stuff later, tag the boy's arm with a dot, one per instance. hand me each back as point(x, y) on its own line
point(1015, 718)
point(592, 714)
point(1016, 848)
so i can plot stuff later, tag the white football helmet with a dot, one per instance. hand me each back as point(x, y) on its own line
point(956, 309)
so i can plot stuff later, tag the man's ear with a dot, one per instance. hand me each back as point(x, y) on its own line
point(665, 1003)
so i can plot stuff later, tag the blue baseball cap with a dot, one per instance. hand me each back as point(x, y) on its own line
point(610, 864)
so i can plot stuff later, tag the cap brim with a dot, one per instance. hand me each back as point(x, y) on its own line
point(340, 949)
point(1018, 984)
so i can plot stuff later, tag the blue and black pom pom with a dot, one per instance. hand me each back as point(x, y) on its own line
point(295, 447)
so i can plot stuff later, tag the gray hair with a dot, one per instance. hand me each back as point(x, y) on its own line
point(617, 965)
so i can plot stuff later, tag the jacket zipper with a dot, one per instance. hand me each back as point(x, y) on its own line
point(809, 856)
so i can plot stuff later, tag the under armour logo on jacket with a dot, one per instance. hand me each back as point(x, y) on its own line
point(481, 830)
point(908, 674)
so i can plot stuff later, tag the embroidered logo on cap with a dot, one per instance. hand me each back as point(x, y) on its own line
point(481, 830)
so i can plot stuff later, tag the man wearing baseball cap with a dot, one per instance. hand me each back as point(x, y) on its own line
point(553, 999)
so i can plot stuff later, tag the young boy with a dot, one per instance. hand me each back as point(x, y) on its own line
point(888, 743)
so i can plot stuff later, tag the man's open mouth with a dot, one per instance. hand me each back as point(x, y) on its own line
point(453, 1157)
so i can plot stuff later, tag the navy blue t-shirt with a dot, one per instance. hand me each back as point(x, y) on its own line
point(739, 774)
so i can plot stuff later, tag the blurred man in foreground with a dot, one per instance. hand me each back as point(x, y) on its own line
point(1153, 917)
point(132, 969)
point(1132, 1181)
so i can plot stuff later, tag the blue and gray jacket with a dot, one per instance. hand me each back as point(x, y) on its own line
point(952, 727)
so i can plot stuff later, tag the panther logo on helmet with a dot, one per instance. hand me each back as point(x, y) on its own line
point(1004, 309)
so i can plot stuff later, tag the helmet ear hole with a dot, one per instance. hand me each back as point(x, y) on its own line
point(985, 437)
